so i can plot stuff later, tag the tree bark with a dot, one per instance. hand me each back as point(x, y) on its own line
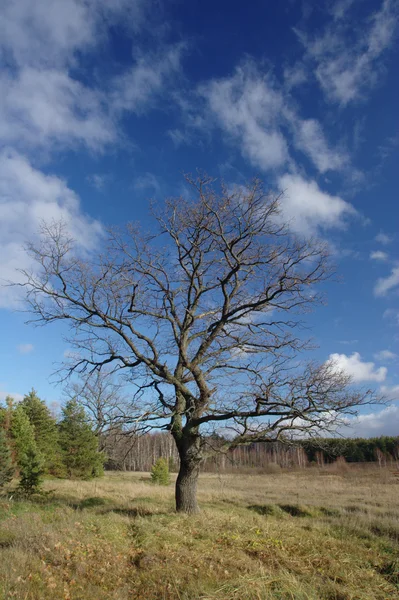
point(189, 447)
point(186, 488)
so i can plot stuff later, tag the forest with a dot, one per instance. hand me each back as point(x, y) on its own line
point(138, 453)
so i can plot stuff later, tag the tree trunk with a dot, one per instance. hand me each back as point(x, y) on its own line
point(189, 447)
point(186, 488)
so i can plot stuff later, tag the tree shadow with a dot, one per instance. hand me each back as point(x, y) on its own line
point(95, 504)
point(266, 510)
point(55, 501)
point(278, 510)
point(7, 539)
point(138, 511)
point(295, 511)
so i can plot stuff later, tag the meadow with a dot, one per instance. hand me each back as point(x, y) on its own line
point(316, 534)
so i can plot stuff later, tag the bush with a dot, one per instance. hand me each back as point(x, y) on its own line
point(160, 472)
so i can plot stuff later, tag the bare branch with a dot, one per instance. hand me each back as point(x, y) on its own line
point(205, 317)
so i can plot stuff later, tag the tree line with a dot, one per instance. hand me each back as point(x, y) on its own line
point(33, 444)
point(132, 452)
point(382, 449)
point(130, 446)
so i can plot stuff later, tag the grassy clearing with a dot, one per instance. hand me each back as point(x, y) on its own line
point(308, 535)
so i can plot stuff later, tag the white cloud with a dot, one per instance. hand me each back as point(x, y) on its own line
point(39, 108)
point(383, 238)
point(249, 110)
point(43, 99)
point(16, 397)
point(56, 29)
point(295, 76)
point(40, 103)
point(25, 348)
point(148, 181)
point(386, 284)
point(134, 89)
point(359, 371)
point(378, 255)
point(47, 105)
point(339, 8)
point(385, 355)
point(348, 59)
point(254, 111)
point(97, 181)
point(392, 314)
point(309, 208)
point(390, 392)
point(381, 422)
point(309, 138)
point(27, 197)
point(48, 33)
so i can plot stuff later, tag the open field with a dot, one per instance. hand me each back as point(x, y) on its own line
point(309, 535)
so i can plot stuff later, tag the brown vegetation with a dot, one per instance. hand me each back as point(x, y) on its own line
point(330, 533)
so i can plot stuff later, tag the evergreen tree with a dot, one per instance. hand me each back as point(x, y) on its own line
point(22, 434)
point(31, 471)
point(46, 432)
point(26, 455)
point(160, 472)
point(6, 467)
point(79, 443)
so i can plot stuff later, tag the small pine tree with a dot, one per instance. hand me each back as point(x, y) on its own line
point(46, 432)
point(6, 467)
point(31, 471)
point(160, 472)
point(22, 434)
point(79, 444)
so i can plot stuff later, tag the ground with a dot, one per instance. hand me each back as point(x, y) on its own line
point(316, 534)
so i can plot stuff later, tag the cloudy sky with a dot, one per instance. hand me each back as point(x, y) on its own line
point(104, 104)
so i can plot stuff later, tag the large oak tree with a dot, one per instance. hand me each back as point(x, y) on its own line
point(204, 314)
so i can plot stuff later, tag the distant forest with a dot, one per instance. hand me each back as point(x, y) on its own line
point(138, 453)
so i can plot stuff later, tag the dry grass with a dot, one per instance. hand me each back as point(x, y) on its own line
point(309, 535)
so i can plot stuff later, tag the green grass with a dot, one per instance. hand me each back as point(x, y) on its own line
point(288, 536)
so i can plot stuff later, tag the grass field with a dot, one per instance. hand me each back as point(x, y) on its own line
point(310, 535)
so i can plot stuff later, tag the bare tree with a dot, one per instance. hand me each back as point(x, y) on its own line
point(205, 316)
point(104, 401)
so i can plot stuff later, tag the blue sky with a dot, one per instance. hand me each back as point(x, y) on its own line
point(103, 106)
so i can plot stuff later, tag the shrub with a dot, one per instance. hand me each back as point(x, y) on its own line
point(160, 472)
